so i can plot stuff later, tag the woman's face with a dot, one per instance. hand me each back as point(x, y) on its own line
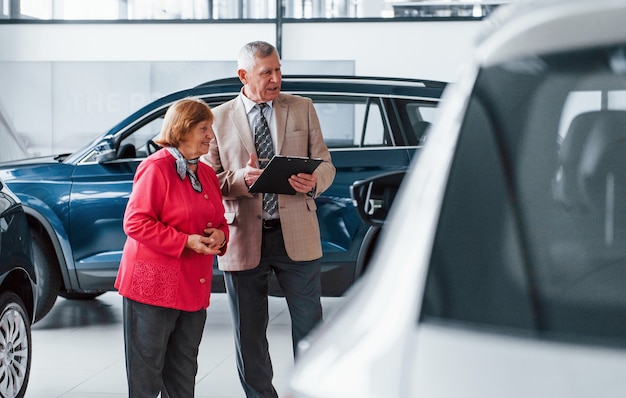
point(197, 141)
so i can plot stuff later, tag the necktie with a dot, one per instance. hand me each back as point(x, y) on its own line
point(264, 151)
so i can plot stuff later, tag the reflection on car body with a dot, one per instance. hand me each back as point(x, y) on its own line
point(501, 267)
point(75, 202)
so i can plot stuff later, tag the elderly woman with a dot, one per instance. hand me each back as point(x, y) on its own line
point(175, 225)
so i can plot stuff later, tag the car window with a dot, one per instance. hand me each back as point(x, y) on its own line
point(349, 122)
point(356, 121)
point(532, 231)
point(141, 137)
point(346, 122)
point(373, 131)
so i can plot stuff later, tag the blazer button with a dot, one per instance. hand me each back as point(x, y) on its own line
point(202, 280)
point(206, 196)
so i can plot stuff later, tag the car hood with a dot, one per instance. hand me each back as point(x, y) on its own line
point(45, 167)
point(35, 160)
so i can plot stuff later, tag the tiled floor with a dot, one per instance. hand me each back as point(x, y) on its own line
point(78, 350)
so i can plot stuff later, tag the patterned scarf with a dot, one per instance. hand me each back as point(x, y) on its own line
point(182, 170)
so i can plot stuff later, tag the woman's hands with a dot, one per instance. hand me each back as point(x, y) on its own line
point(211, 242)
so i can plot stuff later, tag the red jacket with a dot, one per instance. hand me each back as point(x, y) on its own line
point(162, 211)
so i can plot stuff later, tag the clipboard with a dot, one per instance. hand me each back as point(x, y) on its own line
point(275, 176)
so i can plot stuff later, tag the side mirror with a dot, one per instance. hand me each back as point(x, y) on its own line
point(373, 197)
point(105, 151)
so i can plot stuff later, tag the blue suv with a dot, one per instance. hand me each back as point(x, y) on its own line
point(75, 202)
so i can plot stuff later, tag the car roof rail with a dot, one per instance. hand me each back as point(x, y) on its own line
point(336, 78)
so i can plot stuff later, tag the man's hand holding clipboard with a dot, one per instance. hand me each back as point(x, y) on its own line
point(283, 175)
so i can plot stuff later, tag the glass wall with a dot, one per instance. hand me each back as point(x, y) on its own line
point(241, 9)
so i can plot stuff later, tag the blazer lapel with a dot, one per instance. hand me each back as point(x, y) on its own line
point(240, 120)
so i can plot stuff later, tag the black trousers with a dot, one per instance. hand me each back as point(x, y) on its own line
point(161, 350)
point(248, 292)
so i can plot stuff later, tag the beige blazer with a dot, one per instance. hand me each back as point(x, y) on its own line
point(298, 134)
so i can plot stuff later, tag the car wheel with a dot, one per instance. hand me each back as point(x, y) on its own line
point(80, 296)
point(15, 346)
point(48, 275)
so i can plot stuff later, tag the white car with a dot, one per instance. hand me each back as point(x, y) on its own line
point(501, 268)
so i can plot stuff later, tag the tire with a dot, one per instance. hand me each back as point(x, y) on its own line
point(47, 272)
point(15, 346)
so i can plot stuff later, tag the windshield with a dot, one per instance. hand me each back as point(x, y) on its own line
point(532, 233)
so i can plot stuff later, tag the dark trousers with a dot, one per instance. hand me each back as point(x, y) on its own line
point(247, 293)
point(161, 350)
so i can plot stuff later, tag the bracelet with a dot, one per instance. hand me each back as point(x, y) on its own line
point(223, 244)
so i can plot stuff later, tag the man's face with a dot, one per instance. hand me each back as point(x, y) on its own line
point(262, 84)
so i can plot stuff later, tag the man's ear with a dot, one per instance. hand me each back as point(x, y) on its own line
point(242, 75)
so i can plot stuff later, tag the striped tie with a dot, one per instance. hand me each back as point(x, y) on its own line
point(264, 151)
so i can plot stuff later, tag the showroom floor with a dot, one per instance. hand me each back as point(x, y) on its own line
point(78, 350)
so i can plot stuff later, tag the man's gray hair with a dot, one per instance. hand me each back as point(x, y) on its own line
point(252, 50)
